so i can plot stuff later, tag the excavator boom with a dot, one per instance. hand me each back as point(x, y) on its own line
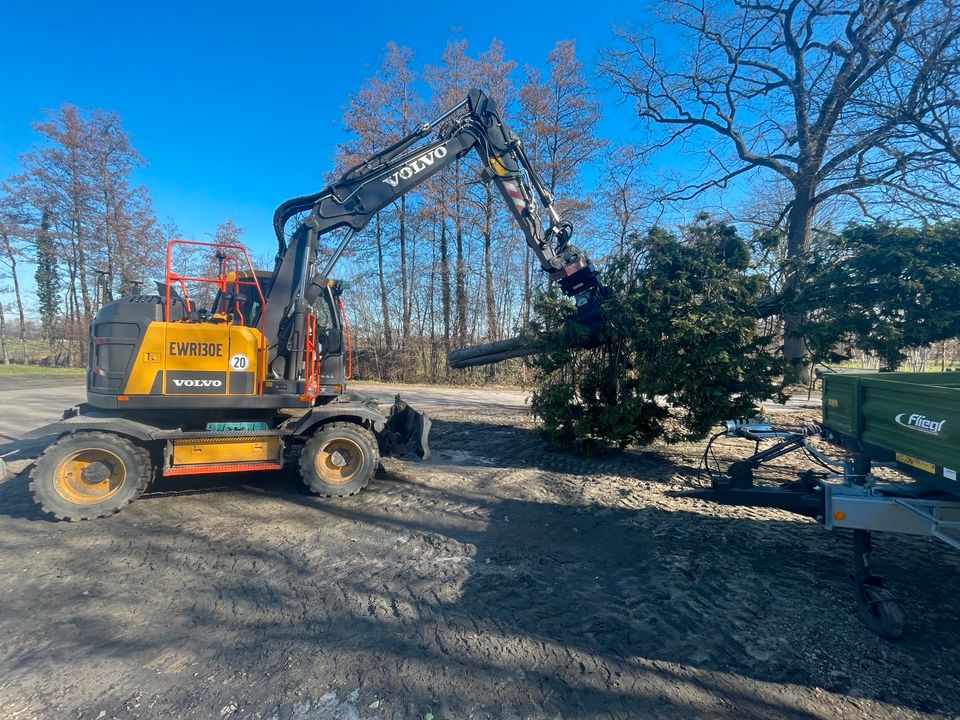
point(351, 201)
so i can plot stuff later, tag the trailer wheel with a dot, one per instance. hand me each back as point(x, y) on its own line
point(339, 459)
point(880, 611)
point(90, 475)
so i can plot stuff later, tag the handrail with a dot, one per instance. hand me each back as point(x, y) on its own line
point(221, 282)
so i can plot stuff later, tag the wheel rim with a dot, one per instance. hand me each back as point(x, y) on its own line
point(339, 461)
point(89, 476)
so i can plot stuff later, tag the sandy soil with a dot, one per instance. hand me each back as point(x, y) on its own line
point(501, 580)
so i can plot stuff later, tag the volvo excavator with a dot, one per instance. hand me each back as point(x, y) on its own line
point(261, 374)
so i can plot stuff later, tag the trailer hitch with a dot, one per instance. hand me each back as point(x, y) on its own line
point(844, 494)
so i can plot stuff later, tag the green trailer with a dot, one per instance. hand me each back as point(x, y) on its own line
point(911, 419)
point(906, 421)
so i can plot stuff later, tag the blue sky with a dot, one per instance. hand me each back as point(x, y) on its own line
point(236, 105)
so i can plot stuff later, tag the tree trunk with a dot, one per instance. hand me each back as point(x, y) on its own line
point(21, 331)
point(445, 283)
point(108, 242)
point(431, 307)
point(527, 269)
point(384, 306)
point(72, 317)
point(797, 368)
point(404, 291)
point(488, 266)
point(461, 267)
point(4, 358)
point(80, 256)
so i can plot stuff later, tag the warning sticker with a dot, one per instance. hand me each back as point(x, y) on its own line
point(239, 361)
point(917, 463)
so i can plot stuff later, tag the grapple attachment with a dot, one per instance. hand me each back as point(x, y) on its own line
point(407, 428)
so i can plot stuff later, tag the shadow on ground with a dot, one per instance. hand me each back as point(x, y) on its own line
point(428, 594)
point(466, 444)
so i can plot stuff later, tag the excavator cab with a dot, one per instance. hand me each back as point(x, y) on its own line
point(168, 351)
point(240, 303)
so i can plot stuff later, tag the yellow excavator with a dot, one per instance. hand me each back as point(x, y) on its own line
point(178, 389)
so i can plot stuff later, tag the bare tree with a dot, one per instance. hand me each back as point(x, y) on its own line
point(75, 203)
point(558, 121)
point(625, 195)
point(450, 82)
point(493, 71)
point(385, 108)
point(845, 100)
point(4, 358)
point(14, 234)
point(404, 109)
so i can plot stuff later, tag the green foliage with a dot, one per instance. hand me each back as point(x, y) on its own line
point(883, 289)
point(681, 348)
point(48, 280)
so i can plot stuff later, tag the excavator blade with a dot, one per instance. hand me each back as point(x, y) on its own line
point(407, 428)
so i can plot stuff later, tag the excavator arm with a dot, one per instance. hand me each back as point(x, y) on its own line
point(351, 201)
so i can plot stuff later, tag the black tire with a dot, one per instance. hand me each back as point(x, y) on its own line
point(90, 475)
point(339, 460)
point(880, 611)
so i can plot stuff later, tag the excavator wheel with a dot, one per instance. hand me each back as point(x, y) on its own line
point(339, 459)
point(90, 475)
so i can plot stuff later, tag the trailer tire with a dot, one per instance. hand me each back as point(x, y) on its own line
point(90, 475)
point(339, 459)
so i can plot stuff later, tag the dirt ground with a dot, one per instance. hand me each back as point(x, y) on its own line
point(500, 580)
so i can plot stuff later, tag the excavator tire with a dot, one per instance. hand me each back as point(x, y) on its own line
point(90, 475)
point(339, 459)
